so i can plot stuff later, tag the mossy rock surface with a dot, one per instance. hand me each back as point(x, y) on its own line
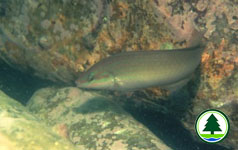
point(20, 130)
point(93, 121)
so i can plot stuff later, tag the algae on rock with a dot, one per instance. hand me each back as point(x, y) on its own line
point(19, 130)
point(93, 121)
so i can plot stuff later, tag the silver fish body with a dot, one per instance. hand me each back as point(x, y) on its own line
point(141, 69)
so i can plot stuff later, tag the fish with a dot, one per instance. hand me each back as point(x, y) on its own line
point(133, 70)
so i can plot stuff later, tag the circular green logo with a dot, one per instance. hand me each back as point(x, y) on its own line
point(212, 126)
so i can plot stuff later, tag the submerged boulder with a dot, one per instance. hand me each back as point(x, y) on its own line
point(92, 121)
point(55, 40)
point(20, 130)
point(58, 39)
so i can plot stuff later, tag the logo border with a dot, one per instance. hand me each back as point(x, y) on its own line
point(228, 125)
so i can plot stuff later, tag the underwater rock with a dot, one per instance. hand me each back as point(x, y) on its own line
point(214, 84)
point(217, 89)
point(50, 38)
point(58, 39)
point(19, 130)
point(92, 121)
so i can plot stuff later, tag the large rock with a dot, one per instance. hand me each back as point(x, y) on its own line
point(19, 130)
point(215, 83)
point(57, 39)
point(92, 121)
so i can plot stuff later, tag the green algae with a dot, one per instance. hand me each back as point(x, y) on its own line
point(166, 46)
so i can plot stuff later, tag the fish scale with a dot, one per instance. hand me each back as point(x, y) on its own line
point(141, 69)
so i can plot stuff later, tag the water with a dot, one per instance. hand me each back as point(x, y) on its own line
point(19, 85)
point(22, 85)
point(212, 139)
point(65, 33)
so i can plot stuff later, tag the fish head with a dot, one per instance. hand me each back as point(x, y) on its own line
point(95, 80)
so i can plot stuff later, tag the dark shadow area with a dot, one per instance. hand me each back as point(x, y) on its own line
point(97, 104)
point(171, 131)
point(167, 126)
point(19, 85)
point(181, 101)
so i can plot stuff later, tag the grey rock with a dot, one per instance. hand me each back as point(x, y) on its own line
point(20, 130)
point(92, 121)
